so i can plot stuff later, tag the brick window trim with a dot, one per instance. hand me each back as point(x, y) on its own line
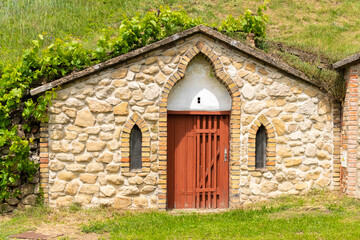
point(135, 119)
point(270, 146)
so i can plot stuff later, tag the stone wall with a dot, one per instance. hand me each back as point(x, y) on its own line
point(90, 119)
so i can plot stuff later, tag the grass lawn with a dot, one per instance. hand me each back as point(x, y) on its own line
point(329, 27)
point(318, 215)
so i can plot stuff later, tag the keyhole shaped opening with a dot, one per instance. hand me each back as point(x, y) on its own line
point(198, 100)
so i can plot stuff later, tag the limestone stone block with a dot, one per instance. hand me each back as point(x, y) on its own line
point(291, 107)
point(160, 78)
point(301, 186)
point(94, 167)
point(254, 107)
point(152, 91)
point(112, 168)
point(151, 179)
point(284, 152)
point(324, 107)
point(151, 70)
point(323, 182)
point(56, 135)
point(70, 135)
point(83, 199)
point(106, 157)
point(285, 186)
point(66, 157)
point(71, 112)
point(108, 191)
point(74, 103)
point(151, 116)
point(77, 147)
point(119, 83)
point(123, 93)
point(141, 202)
point(287, 117)
point(279, 90)
point(137, 95)
point(313, 175)
point(280, 177)
point(154, 167)
point(29, 200)
point(84, 118)
point(58, 186)
point(115, 179)
point(267, 187)
point(60, 146)
point(97, 106)
point(307, 108)
point(56, 166)
point(135, 180)
point(273, 112)
point(122, 202)
point(129, 190)
point(88, 178)
point(85, 157)
point(147, 189)
point(121, 109)
point(66, 176)
point(89, 91)
point(75, 167)
point(310, 151)
point(279, 126)
point(280, 102)
point(61, 118)
point(119, 73)
point(113, 145)
point(253, 79)
point(92, 130)
point(250, 67)
point(72, 188)
point(105, 136)
point(248, 91)
point(89, 189)
point(12, 201)
point(321, 155)
point(64, 201)
point(104, 92)
point(293, 162)
point(74, 128)
point(95, 146)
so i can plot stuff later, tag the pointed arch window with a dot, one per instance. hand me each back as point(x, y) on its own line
point(260, 148)
point(135, 148)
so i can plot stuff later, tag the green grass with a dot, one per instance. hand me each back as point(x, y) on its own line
point(285, 221)
point(318, 215)
point(328, 27)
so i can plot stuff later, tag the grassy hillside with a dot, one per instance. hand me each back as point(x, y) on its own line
point(329, 27)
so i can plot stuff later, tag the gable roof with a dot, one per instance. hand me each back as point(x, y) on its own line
point(351, 60)
point(253, 52)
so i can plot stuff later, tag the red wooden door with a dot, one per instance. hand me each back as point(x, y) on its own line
point(198, 169)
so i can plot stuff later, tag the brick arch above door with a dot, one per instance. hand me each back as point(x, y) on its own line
point(201, 48)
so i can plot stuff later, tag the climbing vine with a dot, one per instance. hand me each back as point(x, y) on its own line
point(40, 64)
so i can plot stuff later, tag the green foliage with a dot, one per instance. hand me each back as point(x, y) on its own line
point(41, 64)
point(247, 23)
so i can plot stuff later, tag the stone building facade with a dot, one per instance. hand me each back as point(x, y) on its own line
point(85, 147)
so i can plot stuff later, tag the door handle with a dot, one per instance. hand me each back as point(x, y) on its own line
point(225, 154)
